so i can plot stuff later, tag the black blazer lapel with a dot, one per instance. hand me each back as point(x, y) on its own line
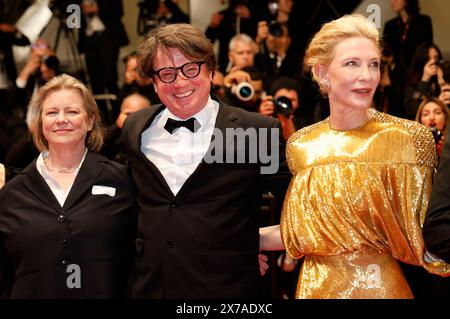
point(92, 167)
point(141, 121)
point(38, 187)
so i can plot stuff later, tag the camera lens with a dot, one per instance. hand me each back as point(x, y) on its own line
point(244, 91)
point(283, 105)
point(275, 29)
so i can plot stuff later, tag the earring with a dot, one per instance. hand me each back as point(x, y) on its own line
point(326, 85)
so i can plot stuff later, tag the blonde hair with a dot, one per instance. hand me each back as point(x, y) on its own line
point(94, 138)
point(442, 105)
point(321, 49)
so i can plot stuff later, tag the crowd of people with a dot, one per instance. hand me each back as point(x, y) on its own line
point(153, 198)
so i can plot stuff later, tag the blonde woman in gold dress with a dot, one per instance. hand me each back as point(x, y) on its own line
point(361, 179)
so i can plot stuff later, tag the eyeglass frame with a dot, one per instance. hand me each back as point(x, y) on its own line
point(180, 68)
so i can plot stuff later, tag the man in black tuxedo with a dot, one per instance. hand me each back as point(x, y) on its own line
point(200, 168)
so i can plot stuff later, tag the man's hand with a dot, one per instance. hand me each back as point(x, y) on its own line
point(263, 265)
point(7, 28)
point(287, 125)
point(236, 77)
point(266, 107)
point(263, 32)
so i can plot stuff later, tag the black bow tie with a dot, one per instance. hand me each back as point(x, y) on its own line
point(191, 124)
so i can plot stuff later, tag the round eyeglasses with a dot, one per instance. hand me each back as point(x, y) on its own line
point(189, 70)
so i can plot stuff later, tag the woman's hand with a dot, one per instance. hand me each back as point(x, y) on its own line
point(429, 70)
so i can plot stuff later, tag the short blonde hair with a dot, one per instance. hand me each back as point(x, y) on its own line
point(321, 49)
point(94, 138)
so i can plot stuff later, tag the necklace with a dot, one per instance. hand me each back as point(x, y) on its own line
point(59, 170)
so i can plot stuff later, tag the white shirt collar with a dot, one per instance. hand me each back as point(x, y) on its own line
point(203, 117)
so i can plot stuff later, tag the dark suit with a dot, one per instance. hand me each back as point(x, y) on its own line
point(39, 238)
point(436, 228)
point(7, 64)
point(102, 51)
point(203, 242)
point(420, 30)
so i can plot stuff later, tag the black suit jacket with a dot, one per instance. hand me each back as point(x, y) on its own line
point(203, 242)
point(436, 228)
point(39, 238)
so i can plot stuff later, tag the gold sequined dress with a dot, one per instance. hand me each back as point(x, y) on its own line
point(355, 205)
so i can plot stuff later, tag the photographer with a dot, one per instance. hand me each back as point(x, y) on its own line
point(422, 79)
point(237, 18)
point(284, 105)
point(435, 115)
point(101, 35)
point(241, 52)
point(275, 57)
point(244, 88)
point(41, 67)
point(443, 75)
point(155, 12)
point(9, 36)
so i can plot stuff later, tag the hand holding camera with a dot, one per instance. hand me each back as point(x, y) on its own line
point(239, 82)
point(445, 94)
point(262, 32)
point(429, 70)
point(281, 105)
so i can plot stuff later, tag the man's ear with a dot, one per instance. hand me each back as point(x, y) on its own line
point(155, 86)
point(211, 75)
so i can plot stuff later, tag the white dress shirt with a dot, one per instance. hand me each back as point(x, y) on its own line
point(177, 155)
point(57, 190)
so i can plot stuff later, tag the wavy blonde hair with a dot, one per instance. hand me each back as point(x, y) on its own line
point(322, 47)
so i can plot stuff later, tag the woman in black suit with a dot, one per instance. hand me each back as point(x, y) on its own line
point(67, 222)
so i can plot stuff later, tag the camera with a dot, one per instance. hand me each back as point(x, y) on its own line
point(274, 26)
point(445, 67)
point(244, 91)
point(437, 134)
point(283, 105)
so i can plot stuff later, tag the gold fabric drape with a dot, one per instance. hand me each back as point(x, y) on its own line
point(355, 204)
